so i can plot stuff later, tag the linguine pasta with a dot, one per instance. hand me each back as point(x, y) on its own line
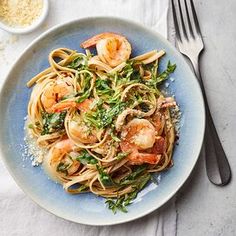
point(102, 118)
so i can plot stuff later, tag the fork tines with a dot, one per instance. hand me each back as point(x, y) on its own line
point(185, 19)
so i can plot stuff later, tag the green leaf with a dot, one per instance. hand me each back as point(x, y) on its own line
point(155, 80)
point(85, 158)
point(104, 177)
point(165, 74)
point(122, 155)
point(101, 118)
point(131, 178)
point(83, 97)
point(137, 179)
point(142, 180)
point(120, 204)
point(30, 126)
point(114, 137)
point(62, 167)
point(85, 92)
point(79, 63)
point(53, 122)
point(82, 188)
point(103, 87)
point(129, 74)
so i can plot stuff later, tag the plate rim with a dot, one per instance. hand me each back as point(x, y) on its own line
point(178, 55)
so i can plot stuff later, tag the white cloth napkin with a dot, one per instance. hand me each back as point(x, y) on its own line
point(18, 214)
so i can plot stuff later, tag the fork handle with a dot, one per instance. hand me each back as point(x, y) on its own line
point(217, 165)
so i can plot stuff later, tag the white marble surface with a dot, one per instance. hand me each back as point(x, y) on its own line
point(203, 209)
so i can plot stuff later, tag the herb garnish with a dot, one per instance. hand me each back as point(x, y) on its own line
point(79, 63)
point(78, 188)
point(137, 179)
point(131, 178)
point(83, 97)
point(82, 188)
point(30, 126)
point(104, 177)
point(122, 155)
point(85, 92)
point(53, 122)
point(85, 158)
point(155, 80)
point(103, 87)
point(104, 117)
point(62, 167)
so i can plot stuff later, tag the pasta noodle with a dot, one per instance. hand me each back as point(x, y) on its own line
point(103, 120)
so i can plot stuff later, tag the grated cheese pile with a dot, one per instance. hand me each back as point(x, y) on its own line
point(20, 12)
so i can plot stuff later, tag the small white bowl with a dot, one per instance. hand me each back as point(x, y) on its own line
point(30, 28)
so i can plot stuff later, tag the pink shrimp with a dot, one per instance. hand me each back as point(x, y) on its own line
point(112, 49)
point(59, 163)
point(53, 92)
point(64, 105)
point(139, 134)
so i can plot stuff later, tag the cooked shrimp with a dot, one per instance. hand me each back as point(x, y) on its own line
point(112, 49)
point(139, 134)
point(59, 160)
point(64, 105)
point(54, 92)
point(79, 130)
point(86, 105)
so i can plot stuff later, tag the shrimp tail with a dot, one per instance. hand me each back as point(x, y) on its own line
point(63, 106)
point(140, 158)
point(93, 41)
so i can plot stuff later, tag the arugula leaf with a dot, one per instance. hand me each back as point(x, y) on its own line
point(164, 75)
point(85, 158)
point(103, 87)
point(134, 176)
point(79, 63)
point(130, 198)
point(85, 92)
point(78, 188)
point(122, 202)
point(122, 155)
point(62, 167)
point(53, 122)
point(104, 117)
point(142, 180)
point(83, 97)
point(104, 177)
point(138, 179)
point(104, 90)
point(30, 126)
point(114, 137)
point(154, 81)
point(82, 188)
point(116, 205)
point(129, 74)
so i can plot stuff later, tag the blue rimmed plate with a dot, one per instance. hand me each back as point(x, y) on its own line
point(87, 208)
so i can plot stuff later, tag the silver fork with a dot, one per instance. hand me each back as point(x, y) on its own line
point(190, 44)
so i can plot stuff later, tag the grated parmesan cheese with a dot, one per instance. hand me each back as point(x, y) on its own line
point(20, 13)
point(31, 149)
